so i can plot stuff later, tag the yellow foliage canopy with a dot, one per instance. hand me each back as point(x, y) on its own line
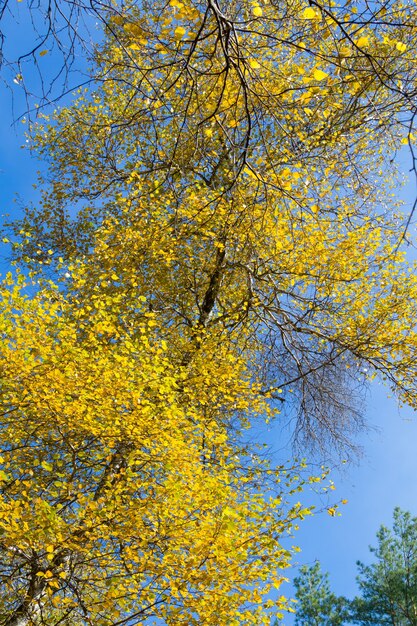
point(122, 496)
point(220, 224)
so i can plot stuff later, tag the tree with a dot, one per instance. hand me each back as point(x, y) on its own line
point(389, 585)
point(216, 242)
point(316, 604)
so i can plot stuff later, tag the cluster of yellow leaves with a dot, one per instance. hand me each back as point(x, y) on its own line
point(217, 217)
point(121, 491)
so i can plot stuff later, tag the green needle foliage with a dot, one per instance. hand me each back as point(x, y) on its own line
point(317, 605)
point(388, 586)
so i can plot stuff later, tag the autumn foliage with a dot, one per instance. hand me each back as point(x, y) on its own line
point(217, 244)
point(122, 494)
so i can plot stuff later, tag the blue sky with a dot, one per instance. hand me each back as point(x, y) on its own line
point(386, 474)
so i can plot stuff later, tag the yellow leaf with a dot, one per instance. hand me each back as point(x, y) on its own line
point(362, 42)
point(54, 584)
point(320, 75)
point(257, 11)
point(179, 32)
point(43, 52)
point(401, 47)
point(309, 14)
point(254, 64)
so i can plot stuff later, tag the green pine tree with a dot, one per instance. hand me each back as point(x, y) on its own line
point(317, 605)
point(389, 585)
